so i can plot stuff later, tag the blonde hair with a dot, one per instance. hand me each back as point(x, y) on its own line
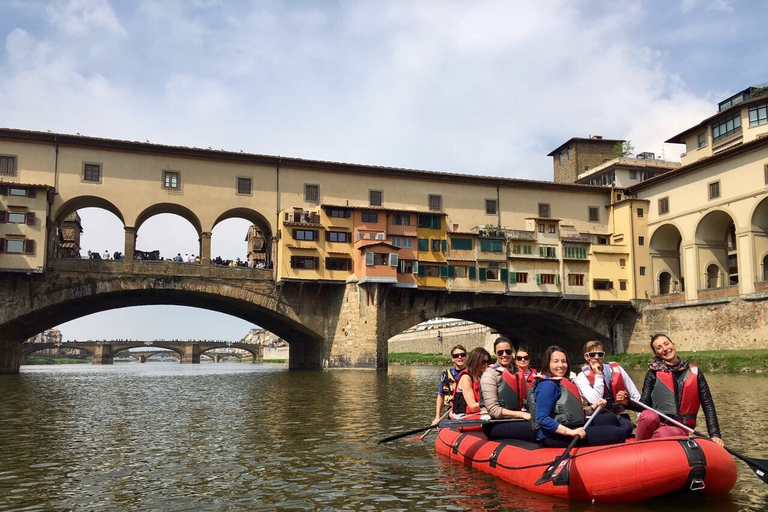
point(590, 346)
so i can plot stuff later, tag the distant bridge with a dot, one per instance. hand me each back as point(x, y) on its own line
point(189, 352)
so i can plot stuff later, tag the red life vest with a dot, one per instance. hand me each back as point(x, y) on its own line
point(568, 410)
point(516, 384)
point(532, 376)
point(663, 396)
point(617, 384)
point(459, 403)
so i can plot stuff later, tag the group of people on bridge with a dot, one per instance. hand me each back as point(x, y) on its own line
point(554, 403)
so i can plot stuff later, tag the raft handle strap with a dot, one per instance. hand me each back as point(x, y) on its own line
point(492, 461)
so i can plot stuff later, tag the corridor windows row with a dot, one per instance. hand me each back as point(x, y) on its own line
point(313, 263)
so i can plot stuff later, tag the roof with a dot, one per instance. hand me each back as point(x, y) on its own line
point(640, 163)
point(595, 139)
point(680, 137)
point(14, 184)
point(685, 169)
point(277, 161)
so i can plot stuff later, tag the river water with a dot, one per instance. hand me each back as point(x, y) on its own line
point(229, 436)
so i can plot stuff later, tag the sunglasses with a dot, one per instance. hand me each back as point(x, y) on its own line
point(523, 358)
point(460, 354)
point(486, 362)
point(505, 352)
point(596, 354)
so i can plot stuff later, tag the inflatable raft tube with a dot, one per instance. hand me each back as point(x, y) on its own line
point(619, 473)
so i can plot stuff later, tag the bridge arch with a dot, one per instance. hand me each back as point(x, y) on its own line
point(666, 258)
point(716, 241)
point(253, 351)
point(80, 202)
point(256, 219)
point(176, 209)
point(178, 354)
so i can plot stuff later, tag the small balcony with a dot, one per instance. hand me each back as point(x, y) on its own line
point(301, 218)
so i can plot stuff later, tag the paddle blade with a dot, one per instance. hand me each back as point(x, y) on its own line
point(554, 470)
point(403, 434)
point(759, 466)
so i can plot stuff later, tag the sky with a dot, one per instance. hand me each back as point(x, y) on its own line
point(482, 87)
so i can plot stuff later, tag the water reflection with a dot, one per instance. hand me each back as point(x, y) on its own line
point(228, 436)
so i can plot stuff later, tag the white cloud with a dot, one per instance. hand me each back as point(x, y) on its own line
point(81, 17)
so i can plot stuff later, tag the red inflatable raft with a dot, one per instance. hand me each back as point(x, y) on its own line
point(627, 472)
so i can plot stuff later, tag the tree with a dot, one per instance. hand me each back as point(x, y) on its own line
point(623, 148)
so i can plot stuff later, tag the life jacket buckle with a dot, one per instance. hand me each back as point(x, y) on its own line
point(697, 485)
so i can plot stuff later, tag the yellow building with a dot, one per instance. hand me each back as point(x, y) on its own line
point(23, 221)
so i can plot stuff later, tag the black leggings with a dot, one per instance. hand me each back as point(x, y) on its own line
point(605, 429)
point(509, 430)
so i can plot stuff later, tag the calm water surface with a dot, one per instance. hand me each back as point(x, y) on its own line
point(228, 436)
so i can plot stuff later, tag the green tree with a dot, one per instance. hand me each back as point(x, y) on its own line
point(623, 148)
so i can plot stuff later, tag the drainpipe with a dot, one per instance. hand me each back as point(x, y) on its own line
point(50, 253)
point(632, 247)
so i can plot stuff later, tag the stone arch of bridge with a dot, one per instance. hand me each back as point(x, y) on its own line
point(253, 351)
point(175, 352)
point(31, 348)
point(176, 209)
point(255, 218)
point(80, 202)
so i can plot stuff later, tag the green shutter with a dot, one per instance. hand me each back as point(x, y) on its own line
point(504, 275)
point(473, 272)
point(528, 249)
point(422, 271)
point(557, 279)
point(483, 272)
point(554, 252)
point(423, 245)
point(443, 271)
point(542, 251)
point(444, 243)
point(451, 271)
point(538, 278)
point(369, 258)
point(513, 277)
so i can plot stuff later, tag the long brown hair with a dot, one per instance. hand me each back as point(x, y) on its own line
point(547, 357)
point(475, 362)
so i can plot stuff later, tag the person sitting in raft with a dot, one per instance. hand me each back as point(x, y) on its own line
point(609, 381)
point(503, 391)
point(523, 363)
point(447, 381)
point(677, 388)
point(557, 410)
point(466, 396)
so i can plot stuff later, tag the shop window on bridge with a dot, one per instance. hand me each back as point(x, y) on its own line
point(339, 214)
point(7, 190)
point(338, 264)
point(305, 262)
point(518, 277)
point(548, 252)
point(594, 214)
point(369, 217)
point(408, 267)
point(544, 210)
point(460, 272)
point(8, 166)
point(92, 172)
point(304, 234)
point(575, 252)
point(429, 221)
point(338, 236)
point(547, 279)
point(400, 219)
point(244, 186)
point(438, 245)
point(461, 244)
point(403, 242)
point(492, 245)
point(602, 284)
point(575, 279)
point(429, 270)
point(380, 259)
point(17, 246)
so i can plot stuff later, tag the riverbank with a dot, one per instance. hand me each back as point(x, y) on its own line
point(57, 360)
point(724, 361)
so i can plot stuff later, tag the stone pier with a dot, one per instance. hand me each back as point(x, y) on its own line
point(10, 356)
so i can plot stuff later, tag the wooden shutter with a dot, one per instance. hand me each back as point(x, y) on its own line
point(538, 278)
point(30, 218)
point(483, 273)
point(451, 271)
point(31, 192)
point(513, 277)
point(504, 274)
point(317, 262)
point(3, 217)
point(445, 245)
point(473, 272)
point(2, 245)
point(293, 261)
point(29, 247)
point(393, 260)
point(444, 271)
point(4, 190)
point(422, 270)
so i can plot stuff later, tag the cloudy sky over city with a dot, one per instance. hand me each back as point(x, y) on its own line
point(482, 87)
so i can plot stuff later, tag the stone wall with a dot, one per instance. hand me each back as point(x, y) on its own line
point(426, 341)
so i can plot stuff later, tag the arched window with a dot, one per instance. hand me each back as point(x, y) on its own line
point(664, 281)
point(713, 276)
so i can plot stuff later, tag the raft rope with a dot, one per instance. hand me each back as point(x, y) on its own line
point(495, 460)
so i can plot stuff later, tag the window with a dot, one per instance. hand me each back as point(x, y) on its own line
point(369, 217)
point(603, 240)
point(663, 205)
point(541, 228)
point(400, 219)
point(548, 252)
point(552, 228)
point(304, 234)
point(622, 262)
point(407, 267)
point(546, 278)
point(8, 165)
point(311, 193)
point(491, 207)
point(17, 246)
point(244, 186)
point(492, 245)
point(423, 244)
point(568, 152)
point(575, 252)
point(602, 284)
point(633, 175)
point(527, 249)
point(544, 210)
point(521, 277)
point(461, 244)
point(623, 285)
point(594, 214)
point(380, 259)
point(17, 217)
point(435, 203)
point(429, 271)
point(758, 115)
point(641, 240)
point(438, 245)
point(338, 236)
point(642, 271)
point(92, 173)
point(576, 279)
point(339, 214)
point(305, 262)
point(172, 180)
point(702, 140)
point(460, 272)
point(492, 274)
point(714, 190)
point(338, 264)
point(726, 127)
point(374, 197)
point(402, 242)
point(560, 157)
point(429, 221)
point(640, 213)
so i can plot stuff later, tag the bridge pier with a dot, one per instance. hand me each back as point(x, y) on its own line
point(10, 356)
point(205, 248)
point(130, 247)
point(191, 354)
point(103, 354)
point(142, 358)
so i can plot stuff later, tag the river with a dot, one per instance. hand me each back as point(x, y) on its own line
point(229, 436)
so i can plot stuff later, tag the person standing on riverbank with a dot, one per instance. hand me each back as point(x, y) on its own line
point(678, 389)
point(448, 381)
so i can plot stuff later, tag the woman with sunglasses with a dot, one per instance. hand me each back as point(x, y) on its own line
point(523, 363)
point(448, 381)
point(608, 381)
point(678, 389)
point(557, 409)
point(466, 396)
point(503, 390)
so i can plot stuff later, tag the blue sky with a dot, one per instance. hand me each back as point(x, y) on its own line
point(485, 87)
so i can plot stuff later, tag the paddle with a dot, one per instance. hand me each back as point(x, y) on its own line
point(446, 424)
point(554, 470)
point(759, 466)
point(422, 436)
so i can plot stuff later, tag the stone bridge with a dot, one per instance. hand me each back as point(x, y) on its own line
point(103, 352)
point(326, 325)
